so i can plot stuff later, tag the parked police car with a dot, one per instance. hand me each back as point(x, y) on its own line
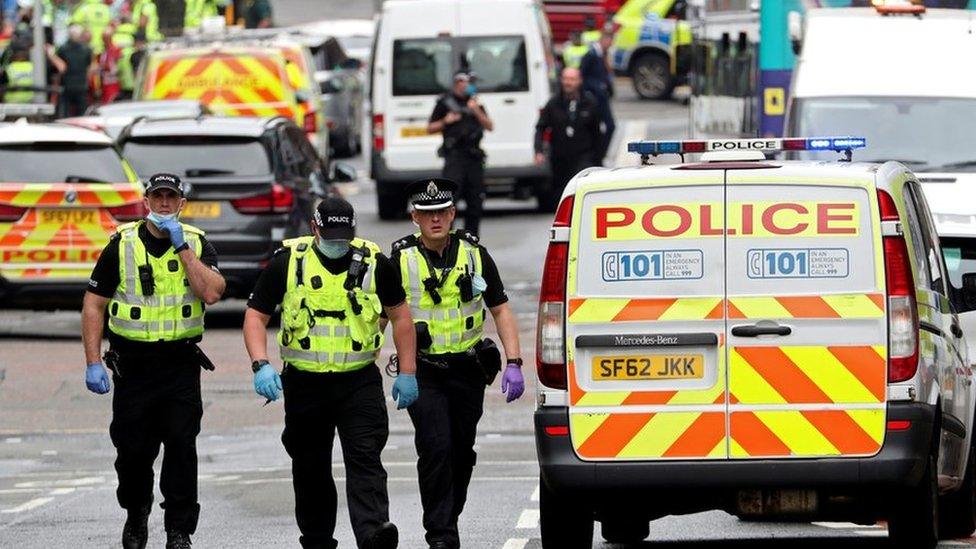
point(773, 339)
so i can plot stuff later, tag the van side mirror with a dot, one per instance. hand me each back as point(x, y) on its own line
point(351, 63)
point(302, 96)
point(969, 292)
point(342, 173)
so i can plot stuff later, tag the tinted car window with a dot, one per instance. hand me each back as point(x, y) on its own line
point(499, 63)
point(60, 163)
point(425, 66)
point(198, 157)
point(422, 67)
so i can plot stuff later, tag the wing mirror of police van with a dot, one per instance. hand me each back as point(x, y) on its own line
point(351, 64)
point(969, 292)
point(330, 86)
point(340, 172)
point(302, 96)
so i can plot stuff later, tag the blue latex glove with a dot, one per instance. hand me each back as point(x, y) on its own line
point(96, 378)
point(267, 382)
point(175, 231)
point(513, 383)
point(405, 390)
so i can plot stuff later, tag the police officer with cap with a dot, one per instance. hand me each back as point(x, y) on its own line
point(462, 120)
point(154, 279)
point(333, 288)
point(450, 280)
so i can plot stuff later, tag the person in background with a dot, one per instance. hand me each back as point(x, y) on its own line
point(574, 50)
point(108, 67)
point(462, 120)
point(77, 57)
point(598, 80)
point(257, 14)
point(94, 16)
point(573, 119)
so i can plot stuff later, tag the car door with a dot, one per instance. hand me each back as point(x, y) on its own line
point(645, 327)
point(806, 315)
point(941, 332)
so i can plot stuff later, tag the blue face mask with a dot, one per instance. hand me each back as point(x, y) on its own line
point(471, 90)
point(158, 219)
point(333, 249)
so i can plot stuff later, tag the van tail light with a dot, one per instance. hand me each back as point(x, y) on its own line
point(551, 332)
point(128, 212)
point(10, 213)
point(379, 141)
point(278, 201)
point(902, 309)
point(310, 123)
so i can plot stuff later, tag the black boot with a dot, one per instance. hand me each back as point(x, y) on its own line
point(385, 536)
point(135, 533)
point(176, 539)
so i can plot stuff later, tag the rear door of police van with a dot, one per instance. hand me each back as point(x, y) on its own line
point(806, 314)
point(646, 319)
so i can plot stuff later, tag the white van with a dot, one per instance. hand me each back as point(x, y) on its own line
point(768, 338)
point(904, 81)
point(419, 45)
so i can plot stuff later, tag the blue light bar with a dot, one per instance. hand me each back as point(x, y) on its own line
point(830, 143)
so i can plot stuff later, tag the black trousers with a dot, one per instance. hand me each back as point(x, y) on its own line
point(72, 102)
point(445, 418)
point(468, 172)
point(564, 168)
point(157, 401)
point(316, 406)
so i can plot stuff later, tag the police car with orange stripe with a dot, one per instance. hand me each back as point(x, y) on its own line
point(63, 191)
point(775, 339)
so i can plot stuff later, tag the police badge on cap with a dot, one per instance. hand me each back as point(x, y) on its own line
point(164, 181)
point(432, 194)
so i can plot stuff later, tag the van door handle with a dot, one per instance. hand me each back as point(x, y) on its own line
point(756, 330)
point(956, 330)
point(509, 101)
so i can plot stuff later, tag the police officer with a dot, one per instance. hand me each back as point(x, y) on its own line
point(17, 79)
point(196, 11)
point(572, 117)
point(332, 289)
point(153, 278)
point(146, 15)
point(462, 120)
point(450, 280)
point(574, 50)
point(94, 16)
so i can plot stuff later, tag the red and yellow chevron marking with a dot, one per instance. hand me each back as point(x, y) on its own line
point(808, 375)
point(677, 435)
point(602, 310)
point(828, 306)
point(53, 194)
point(243, 83)
point(806, 433)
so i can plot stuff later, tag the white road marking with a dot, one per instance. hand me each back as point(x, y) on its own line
point(49, 453)
point(20, 490)
point(252, 481)
point(32, 504)
point(13, 440)
point(872, 533)
point(84, 481)
point(61, 491)
point(515, 543)
point(493, 435)
point(535, 494)
point(528, 519)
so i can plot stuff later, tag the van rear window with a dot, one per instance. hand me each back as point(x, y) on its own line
point(426, 66)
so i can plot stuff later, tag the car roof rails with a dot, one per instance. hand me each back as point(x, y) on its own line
point(42, 112)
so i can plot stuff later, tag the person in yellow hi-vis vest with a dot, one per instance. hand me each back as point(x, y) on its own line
point(146, 17)
point(94, 16)
point(574, 50)
point(197, 10)
point(17, 79)
point(333, 288)
point(153, 280)
point(451, 283)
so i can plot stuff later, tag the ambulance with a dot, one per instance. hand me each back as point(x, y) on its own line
point(774, 339)
point(63, 192)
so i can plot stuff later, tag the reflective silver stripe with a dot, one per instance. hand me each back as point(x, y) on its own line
point(368, 278)
point(421, 314)
point(154, 301)
point(341, 359)
point(352, 358)
point(130, 266)
point(449, 339)
point(472, 308)
point(167, 325)
point(413, 276)
point(328, 330)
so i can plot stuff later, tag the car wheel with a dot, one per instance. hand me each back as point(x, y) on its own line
point(651, 76)
point(564, 523)
point(627, 531)
point(914, 518)
point(957, 510)
point(390, 200)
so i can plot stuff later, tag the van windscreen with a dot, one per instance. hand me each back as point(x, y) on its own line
point(426, 66)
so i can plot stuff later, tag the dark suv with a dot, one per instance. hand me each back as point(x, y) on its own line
point(252, 182)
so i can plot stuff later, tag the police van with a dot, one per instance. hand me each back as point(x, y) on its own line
point(775, 339)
